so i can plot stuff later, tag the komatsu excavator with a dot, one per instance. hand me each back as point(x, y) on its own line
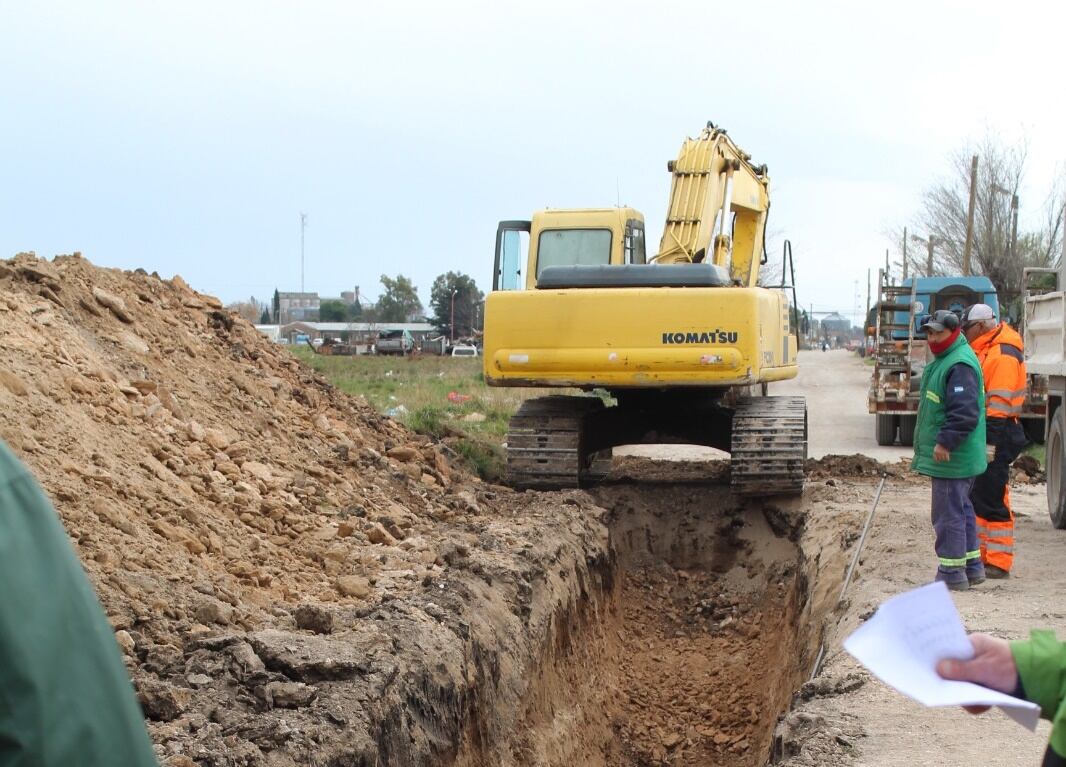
point(685, 344)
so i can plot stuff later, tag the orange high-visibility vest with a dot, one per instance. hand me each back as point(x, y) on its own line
point(1003, 364)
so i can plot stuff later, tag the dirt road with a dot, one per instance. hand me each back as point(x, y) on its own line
point(835, 385)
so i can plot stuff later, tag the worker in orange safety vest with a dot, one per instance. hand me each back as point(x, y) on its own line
point(999, 350)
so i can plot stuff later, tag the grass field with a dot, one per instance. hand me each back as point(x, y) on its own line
point(444, 397)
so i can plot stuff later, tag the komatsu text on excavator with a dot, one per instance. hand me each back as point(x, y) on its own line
point(685, 343)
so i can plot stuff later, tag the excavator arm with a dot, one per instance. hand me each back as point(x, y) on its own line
point(718, 207)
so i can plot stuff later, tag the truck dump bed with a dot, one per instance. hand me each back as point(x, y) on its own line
point(1045, 339)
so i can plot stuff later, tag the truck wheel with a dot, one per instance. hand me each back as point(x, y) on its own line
point(1055, 461)
point(906, 429)
point(885, 428)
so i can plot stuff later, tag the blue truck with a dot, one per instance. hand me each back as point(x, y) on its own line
point(899, 350)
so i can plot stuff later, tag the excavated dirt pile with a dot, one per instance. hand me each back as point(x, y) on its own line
point(295, 579)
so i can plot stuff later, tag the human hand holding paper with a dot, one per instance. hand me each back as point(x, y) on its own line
point(991, 666)
point(906, 638)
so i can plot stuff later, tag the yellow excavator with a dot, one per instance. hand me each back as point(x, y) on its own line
point(685, 343)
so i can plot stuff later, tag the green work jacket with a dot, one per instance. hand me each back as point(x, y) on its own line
point(967, 459)
point(65, 696)
point(1041, 662)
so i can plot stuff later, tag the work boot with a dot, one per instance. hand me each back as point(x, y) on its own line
point(991, 571)
point(976, 573)
point(953, 585)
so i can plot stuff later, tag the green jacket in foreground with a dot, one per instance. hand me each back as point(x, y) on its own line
point(1041, 662)
point(967, 459)
point(65, 696)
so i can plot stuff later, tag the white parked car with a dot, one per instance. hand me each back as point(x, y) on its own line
point(464, 351)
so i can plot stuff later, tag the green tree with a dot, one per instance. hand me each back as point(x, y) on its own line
point(338, 311)
point(399, 299)
point(276, 306)
point(264, 318)
point(467, 304)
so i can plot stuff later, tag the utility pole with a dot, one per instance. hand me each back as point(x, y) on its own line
point(1013, 226)
point(855, 304)
point(969, 219)
point(303, 226)
point(865, 316)
point(451, 332)
point(929, 264)
point(904, 252)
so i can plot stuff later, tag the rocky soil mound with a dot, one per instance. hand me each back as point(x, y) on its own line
point(294, 578)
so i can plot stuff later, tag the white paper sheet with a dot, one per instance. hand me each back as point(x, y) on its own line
point(905, 638)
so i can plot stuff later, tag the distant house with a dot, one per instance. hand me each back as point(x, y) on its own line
point(270, 331)
point(298, 307)
point(359, 334)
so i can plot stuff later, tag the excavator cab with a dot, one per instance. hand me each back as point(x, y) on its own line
point(566, 238)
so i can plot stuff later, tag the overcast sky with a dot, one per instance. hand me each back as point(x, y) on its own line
point(186, 138)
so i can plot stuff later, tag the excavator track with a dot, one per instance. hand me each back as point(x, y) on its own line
point(546, 444)
point(769, 446)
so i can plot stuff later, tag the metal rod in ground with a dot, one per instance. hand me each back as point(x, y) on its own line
point(851, 569)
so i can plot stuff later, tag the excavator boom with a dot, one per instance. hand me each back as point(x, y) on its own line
point(718, 207)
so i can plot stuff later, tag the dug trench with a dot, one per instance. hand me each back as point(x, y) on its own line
point(712, 620)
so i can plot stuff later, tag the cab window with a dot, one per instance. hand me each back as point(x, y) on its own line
point(635, 251)
point(573, 247)
point(512, 245)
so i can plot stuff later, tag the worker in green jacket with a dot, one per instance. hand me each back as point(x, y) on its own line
point(65, 696)
point(949, 447)
point(1033, 669)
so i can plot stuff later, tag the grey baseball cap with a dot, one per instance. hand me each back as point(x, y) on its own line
point(943, 319)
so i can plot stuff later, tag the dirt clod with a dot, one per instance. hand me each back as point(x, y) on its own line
point(314, 618)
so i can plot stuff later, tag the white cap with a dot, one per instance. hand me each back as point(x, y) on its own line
point(977, 313)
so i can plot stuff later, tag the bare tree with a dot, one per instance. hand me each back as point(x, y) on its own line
point(251, 310)
point(770, 274)
point(1046, 242)
point(946, 205)
point(998, 249)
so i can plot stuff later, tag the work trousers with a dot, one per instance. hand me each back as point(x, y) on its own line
point(957, 551)
point(991, 494)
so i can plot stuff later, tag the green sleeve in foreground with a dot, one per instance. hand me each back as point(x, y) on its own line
point(1041, 662)
point(65, 695)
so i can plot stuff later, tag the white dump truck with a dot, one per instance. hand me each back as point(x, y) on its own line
point(1045, 354)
